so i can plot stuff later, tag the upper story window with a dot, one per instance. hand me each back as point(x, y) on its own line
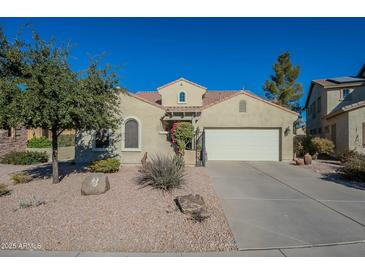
point(345, 94)
point(182, 97)
point(242, 106)
point(102, 139)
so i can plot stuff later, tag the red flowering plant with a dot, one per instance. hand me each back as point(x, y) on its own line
point(181, 134)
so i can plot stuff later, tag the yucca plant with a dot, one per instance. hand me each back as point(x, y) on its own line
point(163, 172)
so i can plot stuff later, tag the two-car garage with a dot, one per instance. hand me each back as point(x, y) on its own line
point(242, 144)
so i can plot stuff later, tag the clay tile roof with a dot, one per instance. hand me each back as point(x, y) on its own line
point(151, 96)
point(210, 98)
point(215, 96)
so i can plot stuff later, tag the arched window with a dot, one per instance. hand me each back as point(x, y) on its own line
point(132, 134)
point(182, 97)
point(242, 106)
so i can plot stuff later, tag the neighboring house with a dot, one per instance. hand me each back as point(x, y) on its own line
point(12, 139)
point(43, 132)
point(238, 125)
point(335, 110)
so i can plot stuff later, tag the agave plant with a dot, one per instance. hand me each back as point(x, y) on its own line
point(163, 172)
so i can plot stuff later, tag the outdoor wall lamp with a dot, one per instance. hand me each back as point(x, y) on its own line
point(287, 131)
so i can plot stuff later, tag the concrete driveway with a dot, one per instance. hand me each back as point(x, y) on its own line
point(274, 205)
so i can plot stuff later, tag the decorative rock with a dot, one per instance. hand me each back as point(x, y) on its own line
point(95, 184)
point(299, 162)
point(307, 159)
point(189, 204)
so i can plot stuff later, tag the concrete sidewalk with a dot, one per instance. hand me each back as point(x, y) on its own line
point(343, 250)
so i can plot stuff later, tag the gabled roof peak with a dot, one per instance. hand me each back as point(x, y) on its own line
point(181, 79)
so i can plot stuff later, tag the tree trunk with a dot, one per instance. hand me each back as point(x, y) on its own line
point(55, 156)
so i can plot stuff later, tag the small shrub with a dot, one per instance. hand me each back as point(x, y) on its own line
point(110, 165)
point(21, 178)
point(348, 155)
point(354, 169)
point(41, 142)
point(25, 158)
point(322, 146)
point(66, 140)
point(313, 145)
point(33, 202)
point(198, 217)
point(163, 172)
point(303, 145)
point(4, 190)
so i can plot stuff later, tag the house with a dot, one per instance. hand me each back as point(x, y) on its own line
point(12, 139)
point(237, 125)
point(335, 109)
point(43, 132)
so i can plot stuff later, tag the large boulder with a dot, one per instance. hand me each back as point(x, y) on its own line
point(191, 204)
point(94, 184)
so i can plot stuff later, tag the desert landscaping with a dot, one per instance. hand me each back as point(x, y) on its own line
point(128, 217)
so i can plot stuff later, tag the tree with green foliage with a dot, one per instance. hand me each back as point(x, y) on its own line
point(283, 88)
point(183, 135)
point(43, 91)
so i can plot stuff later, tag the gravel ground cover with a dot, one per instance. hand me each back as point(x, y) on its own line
point(126, 218)
point(324, 166)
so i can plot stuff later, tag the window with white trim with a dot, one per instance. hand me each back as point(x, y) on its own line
point(182, 97)
point(346, 92)
point(102, 139)
point(131, 134)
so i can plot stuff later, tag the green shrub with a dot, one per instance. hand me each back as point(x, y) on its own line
point(348, 155)
point(44, 142)
point(303, 145)
point(66, 140)
point(322, 146)
point(163, 172)
point(313, 145)
point(4, 190)
point(41, 142)
point(354, 169)
point(110, 165)
point(25, 158)
point(21, 178)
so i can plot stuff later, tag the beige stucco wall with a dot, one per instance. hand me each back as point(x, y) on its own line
point(169, 94)
point(259, 115)
point(318, 121)
point(152, 141)
point(356, 119)
point(334, 100)
point(342, 131)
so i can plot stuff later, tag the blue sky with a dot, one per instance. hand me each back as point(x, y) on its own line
point(218, 53)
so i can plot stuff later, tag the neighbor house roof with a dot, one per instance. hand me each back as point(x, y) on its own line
point(326, 83)
point(356, 105)
point(362, 71)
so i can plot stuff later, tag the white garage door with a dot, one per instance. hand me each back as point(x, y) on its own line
point(242, 144)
